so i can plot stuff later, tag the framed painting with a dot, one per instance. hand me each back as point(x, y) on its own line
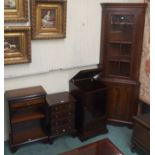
point(48, 19)
point(15, 10)
point(17, 45)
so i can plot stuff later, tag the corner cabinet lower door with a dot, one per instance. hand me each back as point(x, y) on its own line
point(122, 102)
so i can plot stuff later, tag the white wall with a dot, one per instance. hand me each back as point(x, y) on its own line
point(54, 62)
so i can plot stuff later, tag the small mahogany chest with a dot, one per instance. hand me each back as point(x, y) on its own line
point(61, 112)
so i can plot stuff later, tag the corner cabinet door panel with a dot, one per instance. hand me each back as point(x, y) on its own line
point(121, 41)
point(121, 102)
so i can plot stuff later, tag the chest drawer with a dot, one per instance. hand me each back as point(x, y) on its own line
point(61, 129)
point(60, 115)
point(61, 122)
point(28, 102)
point(63, 107)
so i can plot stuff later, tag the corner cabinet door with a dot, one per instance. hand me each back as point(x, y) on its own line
point(122, 33)
point(121, 102)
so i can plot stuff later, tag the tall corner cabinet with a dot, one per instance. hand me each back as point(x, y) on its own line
point(120, 55)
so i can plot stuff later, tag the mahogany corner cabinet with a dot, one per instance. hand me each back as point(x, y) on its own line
point(120, 56)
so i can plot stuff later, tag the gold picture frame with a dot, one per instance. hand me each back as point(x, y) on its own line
point(17, 45)
point(48, 18)
point(15, 10)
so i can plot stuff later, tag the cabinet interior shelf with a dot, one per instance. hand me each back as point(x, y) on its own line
point(17, 118)
point(122, 23)
point(119, 60)
point(120, 42)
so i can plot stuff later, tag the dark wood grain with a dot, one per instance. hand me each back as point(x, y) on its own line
point(120, 56)
point(103, 147)
point(90, 95)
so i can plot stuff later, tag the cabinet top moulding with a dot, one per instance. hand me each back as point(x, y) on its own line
point(123, 5)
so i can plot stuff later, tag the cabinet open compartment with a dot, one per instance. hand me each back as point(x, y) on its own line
point(27, 131)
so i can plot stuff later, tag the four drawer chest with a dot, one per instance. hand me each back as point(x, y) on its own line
point(61, 111)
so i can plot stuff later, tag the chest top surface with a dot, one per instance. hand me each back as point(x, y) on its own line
point(59, 98)
point(29, 92)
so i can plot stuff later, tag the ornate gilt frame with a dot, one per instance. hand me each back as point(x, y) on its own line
point(19, 50)
point(57, 31)
point(18, 14)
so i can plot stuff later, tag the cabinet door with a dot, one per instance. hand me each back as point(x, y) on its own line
point(121, 102)
point(122, 33)
point(119, 44)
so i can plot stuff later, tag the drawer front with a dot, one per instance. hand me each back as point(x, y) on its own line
point(61, 129)
point(62, 107)
point(56, 123)
point(29, 102)
point(60, 115)
point(142, 135)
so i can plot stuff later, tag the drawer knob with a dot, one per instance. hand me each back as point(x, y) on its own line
point(62, 101)
point(122, 17)
point(63, 130)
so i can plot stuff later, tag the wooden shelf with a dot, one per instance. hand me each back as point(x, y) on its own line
point(120, 42)
point(17, 118)
point(126, 60)
point(26, 136)
point(122, 23)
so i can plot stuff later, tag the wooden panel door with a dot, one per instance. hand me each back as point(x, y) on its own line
point(121, 101)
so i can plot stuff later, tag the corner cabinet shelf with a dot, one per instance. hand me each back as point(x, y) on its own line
point(27, 111)
point(121, 46)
